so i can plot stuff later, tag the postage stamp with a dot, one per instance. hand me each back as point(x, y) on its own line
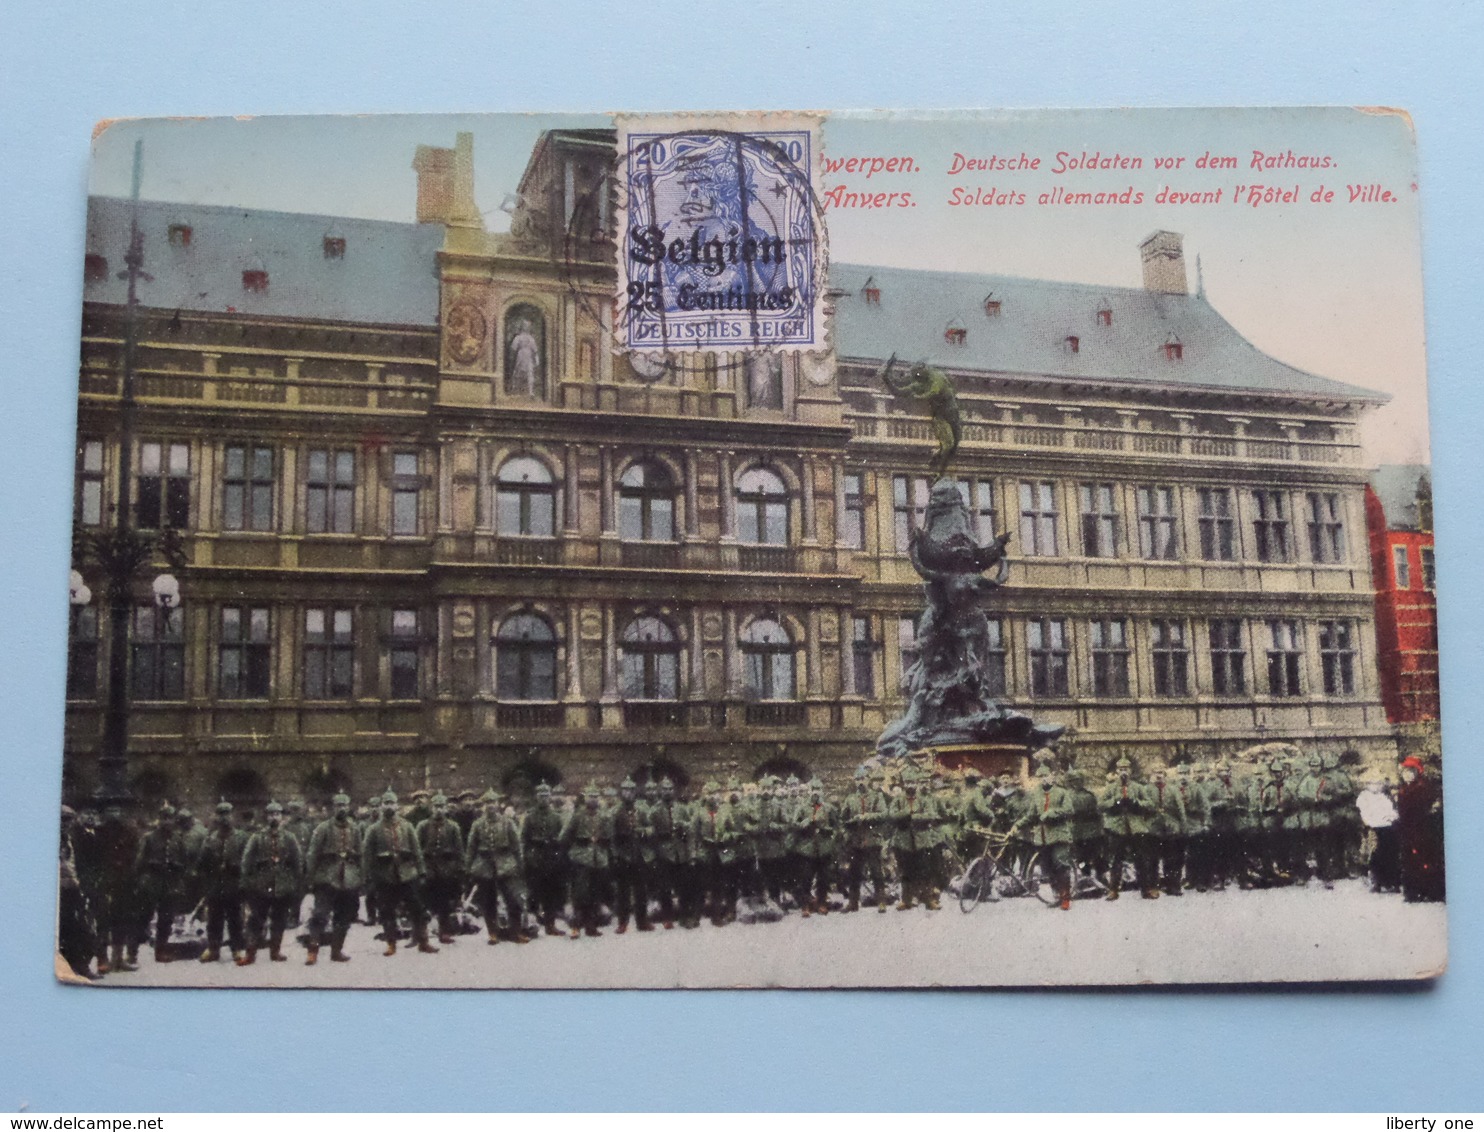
point(722, 241)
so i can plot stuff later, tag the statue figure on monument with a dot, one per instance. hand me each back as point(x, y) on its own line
point(951, 686)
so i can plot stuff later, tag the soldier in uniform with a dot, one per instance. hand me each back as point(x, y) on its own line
point(392, 865)
point(1191, 788)
point(421, 809)
point(587, 837)
point(815, 837)
point(1046, 815)
point(630, 892)
point(769, 836)
point(1223, 847)
point(1168, 825)
point(1089, 851)
point(75, 942)
point(495, 862)
point(545, 859)
point(466, 812)
point(161, 868)
point(690, 858)
point(272, 877)
point(218, 872)
point(334, 871)
point(117, 915)
point(657, 850)
point(716, 830)
point(442, 844)
point(910, 817)
point(865, 816)
point(1279, 823)
point(1128, 811)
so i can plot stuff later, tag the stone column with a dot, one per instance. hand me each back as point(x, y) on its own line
point(813, 676)
point(732, 655)
point(574, 653)
point(728, 497)
point(837, 482)
point(610, 656)
point(811, 528)
point(692, 496)
point(571, 495)
point(697, 656)
point(605, 489)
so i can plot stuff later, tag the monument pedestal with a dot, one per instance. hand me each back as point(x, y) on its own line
point(989, 759)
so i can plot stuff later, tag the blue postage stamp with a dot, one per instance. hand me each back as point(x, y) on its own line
point(722, 244)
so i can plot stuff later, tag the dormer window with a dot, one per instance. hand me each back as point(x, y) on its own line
point(1105, 313)
point(94, 268)
point(255, 280)
point(870, 292)
point(1074, 344)
point(334, 247)
point(179, 235)
point(1174, 351)
point(955, 335)
point(991, 306)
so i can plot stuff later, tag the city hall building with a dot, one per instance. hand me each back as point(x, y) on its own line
point(437, 533)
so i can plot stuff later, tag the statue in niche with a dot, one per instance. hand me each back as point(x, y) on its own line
point(525, 365)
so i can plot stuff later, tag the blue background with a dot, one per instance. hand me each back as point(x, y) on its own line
point(63, 65)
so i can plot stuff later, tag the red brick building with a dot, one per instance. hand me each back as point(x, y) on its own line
point(1399, 521)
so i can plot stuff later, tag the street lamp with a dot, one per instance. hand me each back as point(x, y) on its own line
point(123, 553)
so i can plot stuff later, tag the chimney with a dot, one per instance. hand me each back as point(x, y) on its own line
point(1163, 255)
point(445, 183)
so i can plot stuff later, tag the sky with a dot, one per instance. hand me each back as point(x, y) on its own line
point(1334, 288)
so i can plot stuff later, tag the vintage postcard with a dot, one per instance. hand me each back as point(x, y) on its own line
point(753, 549)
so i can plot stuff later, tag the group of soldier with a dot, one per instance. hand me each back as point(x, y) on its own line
point(648, 855)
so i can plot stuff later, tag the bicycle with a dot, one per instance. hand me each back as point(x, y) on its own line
point(990, 877)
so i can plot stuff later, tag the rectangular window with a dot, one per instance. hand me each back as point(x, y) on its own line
point(978, 497)
point(1403, 567)
point(1110, 657)
point(1038, 518)
point(90, 483)
point(1171, 658)
point(1337, 657)
point(1046, 643)
point(82, 654)
point(909, 499)
point(404, 655)
point(1429, 569)
point(329, 654)
point(1326, 527)
point(1158, 522)
point(157, 653)
point(853, 521)
point(1228, 658)
point(1284, 658)
point(406, 486)
point(1270, 526)
point(163, 486)
point(1099, 520)
point(247, 488)
point(863, 654)
point(330, 494)
point(244, 653)
point(906, 650)
point(996, 669)
point(1218, 524)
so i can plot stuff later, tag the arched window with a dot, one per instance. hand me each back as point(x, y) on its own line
point(525, 658)
point(768, 657)
point(646, 503)
point(649, 660)
point(762, 508)
point(525, 498)
point(525, 351)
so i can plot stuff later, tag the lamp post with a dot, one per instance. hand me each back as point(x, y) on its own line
point(124, 554)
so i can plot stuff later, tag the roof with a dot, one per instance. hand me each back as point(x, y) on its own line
point(1036, 318)
point(388, 274)
point(1396, 487)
